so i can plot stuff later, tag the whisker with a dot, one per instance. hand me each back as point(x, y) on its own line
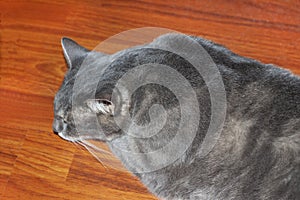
point(51, 90)
point(94, 147)
point(92, 152)
point(76, 145)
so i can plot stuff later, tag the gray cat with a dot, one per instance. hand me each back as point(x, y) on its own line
point(255, 156)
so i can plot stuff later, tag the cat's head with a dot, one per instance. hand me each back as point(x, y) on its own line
point(91, 105)
point(85, 107)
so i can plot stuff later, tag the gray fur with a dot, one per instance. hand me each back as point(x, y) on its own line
point(258, 153)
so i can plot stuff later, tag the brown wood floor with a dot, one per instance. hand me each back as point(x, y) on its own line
point(37, 164)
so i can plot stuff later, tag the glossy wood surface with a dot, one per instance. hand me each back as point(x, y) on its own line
point(34, 162)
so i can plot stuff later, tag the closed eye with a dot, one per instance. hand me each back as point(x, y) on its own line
point(61, 118)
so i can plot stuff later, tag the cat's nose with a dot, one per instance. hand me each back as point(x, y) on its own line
point(58, 125)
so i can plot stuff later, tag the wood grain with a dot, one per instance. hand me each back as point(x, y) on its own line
point(34, 162)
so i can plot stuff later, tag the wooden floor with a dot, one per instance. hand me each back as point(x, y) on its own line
point(34, 162)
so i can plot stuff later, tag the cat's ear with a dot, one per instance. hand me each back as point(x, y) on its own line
point(101, 106)
point(72, 51)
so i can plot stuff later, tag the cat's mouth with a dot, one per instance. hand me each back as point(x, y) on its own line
point(60, 127)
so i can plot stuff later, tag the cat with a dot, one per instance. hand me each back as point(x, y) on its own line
point(257, 154)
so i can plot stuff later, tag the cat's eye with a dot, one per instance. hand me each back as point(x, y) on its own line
point(61, 118)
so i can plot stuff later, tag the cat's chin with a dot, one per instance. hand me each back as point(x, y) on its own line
point(68, 138)
point(80, 138)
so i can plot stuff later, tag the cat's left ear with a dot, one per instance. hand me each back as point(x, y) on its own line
point(72, 51)
point(101, 106)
